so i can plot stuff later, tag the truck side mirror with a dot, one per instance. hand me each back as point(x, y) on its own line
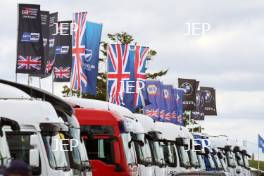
point(34, 158)
point(34, 140)
point(118, 168)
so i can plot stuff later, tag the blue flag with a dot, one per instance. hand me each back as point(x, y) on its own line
point(153, 90)
point(179, 93)
point(168, 101)
point(90, 68)
point(261, 143)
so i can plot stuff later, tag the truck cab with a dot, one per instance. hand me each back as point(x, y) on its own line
point(108, 142)
point(225, 146)
point(213, 159)
point(76, 151)
point(176, 146)
point(242, 160)
point(152, 138)
point(40, 139)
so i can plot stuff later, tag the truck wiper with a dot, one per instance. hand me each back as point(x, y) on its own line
point(64, 168)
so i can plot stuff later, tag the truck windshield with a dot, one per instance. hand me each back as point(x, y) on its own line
point(19, 145)
point(99, 142)
point(55, 151)
point(211, 161)
point(157, 152)
point(126, 138)
point(75, 133)
point(183, 156)
point(245, 159)
point(230, 159)
point(169, 154)
point(201, 161)
point(239, 159)
point(4, 151)
point(193, 158)
point(217, 161)
point(142, 149)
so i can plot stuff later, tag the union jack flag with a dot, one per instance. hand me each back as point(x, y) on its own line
point(118, 72)
point(162, 114)
point(154, 113)
point(78, 78)
point(49, 65)
point(167, 116)
point(180, 119)
point(139, 74)
point(29, 62)
point(62, 72)
point(173, 115)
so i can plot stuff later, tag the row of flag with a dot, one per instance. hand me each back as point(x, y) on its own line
point(70, 51)
point(67, 49)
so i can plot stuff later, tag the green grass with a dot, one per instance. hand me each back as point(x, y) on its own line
point(254, 163)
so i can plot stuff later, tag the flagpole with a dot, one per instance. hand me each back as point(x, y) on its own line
point(52, 82)
point(106, 71)
point(28, 82)
point(258, 157)
point(39, 83)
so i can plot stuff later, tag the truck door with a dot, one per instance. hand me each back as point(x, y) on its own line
point(103, 153)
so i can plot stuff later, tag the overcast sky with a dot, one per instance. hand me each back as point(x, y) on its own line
point(229, 57)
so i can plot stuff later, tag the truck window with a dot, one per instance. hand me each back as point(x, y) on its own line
point(169, 154)
point(19, 146)
point(239, 159)
point(201, 161)
point(130, 156)
point(245, 159)
point(193, 158)
point(157, 152)
point(55, 151)
point(4, 152)
point(183, 156)
point(230, 159)
point(100, 149)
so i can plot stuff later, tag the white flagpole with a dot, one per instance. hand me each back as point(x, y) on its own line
point(52, 82)
point(39, 83)
point(258, 157)
point(28, 81)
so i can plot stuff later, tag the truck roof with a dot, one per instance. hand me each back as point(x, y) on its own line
point(147, 122)
point(104, 117)
point(34, 92)
point(29, 112)
point(98, 104)
point(95, 117)
point(9, 92)
point(170, 131)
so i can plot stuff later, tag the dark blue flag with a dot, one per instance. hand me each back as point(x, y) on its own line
point(168, 101)
point(90, 64)
point(153, 96)
point(179, 93)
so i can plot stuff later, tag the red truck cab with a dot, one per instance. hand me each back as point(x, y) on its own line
point(108, 142)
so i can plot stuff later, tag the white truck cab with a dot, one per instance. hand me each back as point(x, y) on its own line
point(225, 145)
point(214, 160)
point(176, 147)
point(39, 141)
point(153, 142)
point(76, 153)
